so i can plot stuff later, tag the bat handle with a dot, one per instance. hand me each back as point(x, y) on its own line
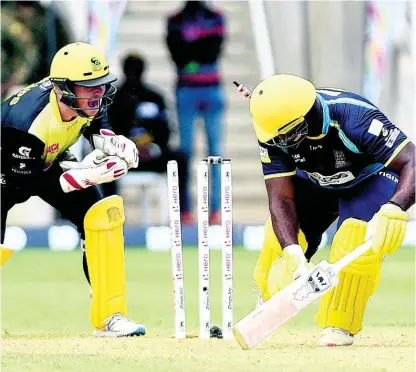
point(242, 89)
point(357, 252)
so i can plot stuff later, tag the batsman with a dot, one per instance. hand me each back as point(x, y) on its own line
point(39, 124)
point(329, 154)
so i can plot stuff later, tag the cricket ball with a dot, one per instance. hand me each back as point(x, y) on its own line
point(215, 332)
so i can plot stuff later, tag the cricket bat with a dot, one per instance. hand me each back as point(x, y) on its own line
point(284, 305)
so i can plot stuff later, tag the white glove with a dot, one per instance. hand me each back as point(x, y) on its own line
point(295, 254)
point(111, 144)
point(94, 158)
point(93, 170)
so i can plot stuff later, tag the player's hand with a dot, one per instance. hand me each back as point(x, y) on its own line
point(94, 158)
point(111, 144)
point(289, 266)
point(108, 169)
point(387, 229)
point(128, 151)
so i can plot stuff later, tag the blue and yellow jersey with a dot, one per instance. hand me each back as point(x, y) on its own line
point(33, 131)
point(357, 140)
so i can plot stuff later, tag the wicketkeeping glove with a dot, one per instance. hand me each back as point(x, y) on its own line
point(387, 228)
point(111, 144)
point(96, 168)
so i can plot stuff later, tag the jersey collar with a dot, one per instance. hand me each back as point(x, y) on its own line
point(325, 116)
point(55, 110)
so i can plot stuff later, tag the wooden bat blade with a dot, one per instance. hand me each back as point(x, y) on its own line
point(284, 305)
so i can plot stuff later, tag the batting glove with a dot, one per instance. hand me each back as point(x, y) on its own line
point(289, 266)
point(387, 229)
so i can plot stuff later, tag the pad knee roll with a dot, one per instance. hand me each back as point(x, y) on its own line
point(344, 306)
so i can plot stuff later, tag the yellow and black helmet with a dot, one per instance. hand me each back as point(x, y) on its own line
point(278, 105)
point(85, 65)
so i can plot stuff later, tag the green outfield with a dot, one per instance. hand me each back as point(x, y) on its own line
point(45, 320)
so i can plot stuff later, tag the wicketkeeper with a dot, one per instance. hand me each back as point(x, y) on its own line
point(39, 124)
point(329, 154)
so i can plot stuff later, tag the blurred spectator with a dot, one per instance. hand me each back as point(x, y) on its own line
point(139, 113)
point(19, 54)
point(194, 37)
point(26, 30)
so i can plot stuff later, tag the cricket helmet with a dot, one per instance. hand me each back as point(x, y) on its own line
point(278, 105)
point(85, 65)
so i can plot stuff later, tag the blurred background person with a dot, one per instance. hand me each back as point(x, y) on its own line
point(139, 113)
point(19, 55)
point(195, 37)
point(31, 35)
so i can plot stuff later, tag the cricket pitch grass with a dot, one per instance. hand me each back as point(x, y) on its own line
point(45, 320)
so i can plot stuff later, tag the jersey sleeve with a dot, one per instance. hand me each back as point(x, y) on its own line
point(375, 136)
point(21, 156)
point(275, 162)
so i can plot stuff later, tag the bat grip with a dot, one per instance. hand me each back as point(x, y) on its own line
point(357, 252)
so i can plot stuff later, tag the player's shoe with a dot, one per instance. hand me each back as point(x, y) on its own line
point(335, 337)
point(118, 325)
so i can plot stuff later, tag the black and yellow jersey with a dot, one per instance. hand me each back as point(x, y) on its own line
point(33, 133)
point(357, 140)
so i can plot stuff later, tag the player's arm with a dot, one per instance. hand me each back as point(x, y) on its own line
point(404, 164)
point(278, 169)
point(281, 196)
point(21, 156)
point(281, 259)
point(386, 145)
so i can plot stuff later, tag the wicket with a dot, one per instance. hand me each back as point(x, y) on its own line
point(203, 247)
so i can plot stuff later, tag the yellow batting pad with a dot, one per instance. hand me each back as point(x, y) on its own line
point(344, 306)
point(5, 254)
point(104, 246)
point(270, 251)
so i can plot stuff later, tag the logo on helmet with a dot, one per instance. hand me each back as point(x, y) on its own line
point(96, 64)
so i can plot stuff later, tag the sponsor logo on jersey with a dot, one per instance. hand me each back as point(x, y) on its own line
point(25, 151)
point(336, 179)
point(392, 137)
point(389, 176)
point(52, 148)
point(264, 155)
point(298, 159)
point(21, 169)
point(314, 148)
point(340, 161)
